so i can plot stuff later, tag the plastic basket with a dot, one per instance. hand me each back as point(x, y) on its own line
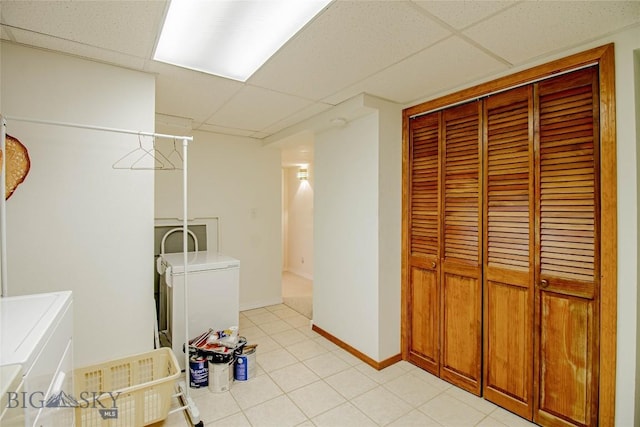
point(140, 387)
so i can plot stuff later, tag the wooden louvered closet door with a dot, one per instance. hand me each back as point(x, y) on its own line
point(567, 256)
point(509, 237)
point(461, 268)
point(424, 242)
point(509, 250)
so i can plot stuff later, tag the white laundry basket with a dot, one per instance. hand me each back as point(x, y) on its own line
point(139, 388)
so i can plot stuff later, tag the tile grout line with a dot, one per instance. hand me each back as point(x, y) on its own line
point(382, 382)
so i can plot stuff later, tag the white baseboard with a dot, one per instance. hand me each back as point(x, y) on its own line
point(259, 304)
point(300, 273)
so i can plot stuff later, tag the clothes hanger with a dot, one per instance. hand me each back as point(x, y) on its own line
point(160, 162)
point(175, 153)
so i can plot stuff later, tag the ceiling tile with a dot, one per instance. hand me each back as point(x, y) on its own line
point(348, 42)
point(187, 93)
point(259, 135)
point(538, 28)
point(31, 38)
point(452, 62)
point(224, 130)
point(5, 34)
point(255, 109)
point(126, 26)
point(297, 117)
point(461, 14)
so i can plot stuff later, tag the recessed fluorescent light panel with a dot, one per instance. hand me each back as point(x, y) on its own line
point(230, 38)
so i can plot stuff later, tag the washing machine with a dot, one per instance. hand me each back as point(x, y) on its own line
point(213, 290)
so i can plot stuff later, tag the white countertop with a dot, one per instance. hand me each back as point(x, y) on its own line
point(25, 323)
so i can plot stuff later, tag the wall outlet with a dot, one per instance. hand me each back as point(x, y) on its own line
point(302, 260)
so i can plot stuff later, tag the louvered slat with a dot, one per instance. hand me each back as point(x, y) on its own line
point(461, 184)
point(424, 186)
point(567, 184)
point(508, 185)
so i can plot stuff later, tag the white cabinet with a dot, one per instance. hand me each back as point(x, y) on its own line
point(11, 386)
point(36, 335)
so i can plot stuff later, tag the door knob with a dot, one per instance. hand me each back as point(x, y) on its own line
point(433, 264)
point(544, 283)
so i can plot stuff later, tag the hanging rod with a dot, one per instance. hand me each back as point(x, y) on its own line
point(102, 128)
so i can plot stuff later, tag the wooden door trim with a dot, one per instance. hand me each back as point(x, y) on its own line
point(604, 57)
point(405, 326)
point(608, 238)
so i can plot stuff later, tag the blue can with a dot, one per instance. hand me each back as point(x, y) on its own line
point(199, 372)
point(241, 372)
point(245, 366)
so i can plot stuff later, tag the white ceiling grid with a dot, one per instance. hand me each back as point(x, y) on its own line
point(402, 51)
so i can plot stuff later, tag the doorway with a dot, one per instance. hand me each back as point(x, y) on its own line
point(297, 228)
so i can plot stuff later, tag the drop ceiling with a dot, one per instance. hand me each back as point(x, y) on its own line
point(401, 51)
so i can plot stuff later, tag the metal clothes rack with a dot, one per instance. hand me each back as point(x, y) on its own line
point(184, 393)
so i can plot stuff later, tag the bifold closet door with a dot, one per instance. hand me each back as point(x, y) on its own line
point(424, 241)
point(461, 269)
point(567, 258)
point(509, 251)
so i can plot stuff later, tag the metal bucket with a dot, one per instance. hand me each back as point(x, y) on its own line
point(220, 376)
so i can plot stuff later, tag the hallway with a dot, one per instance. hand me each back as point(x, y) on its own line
point(297, 293)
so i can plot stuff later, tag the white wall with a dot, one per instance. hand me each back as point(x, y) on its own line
point(285, 218)
point(345, 293)
point(637, 109)
point(238, 180)
point(299, 222)
point(390, 227)
point(358, 230)
point(76, 223)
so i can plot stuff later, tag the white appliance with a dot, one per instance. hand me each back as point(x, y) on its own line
point(214, 295)
point(36, 334)
point(11, 386)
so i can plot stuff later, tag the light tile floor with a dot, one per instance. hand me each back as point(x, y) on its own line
point(305, 380)
point(297, 293)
